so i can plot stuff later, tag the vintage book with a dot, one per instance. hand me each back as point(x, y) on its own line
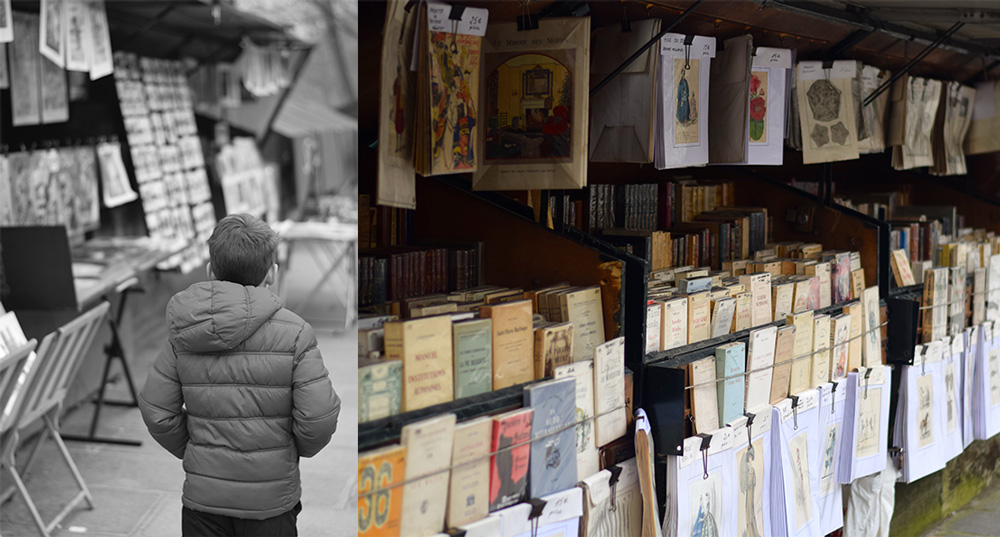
point(428, 453)
point(509, 467)
point(380, 389)
point(513, 343)
point(730, 366)
point(583, 308)
point(840, 276)
point(854, 352)
point(801, 295)
point(473, 352)
point(872, 349)
point(609, 390)
point(840, 332)
point(436, 308)
point(552, 467)
point(857, 283)
point(784, 350)
point(533, 295)
point(901, 270)
point(537, 139)
point(699, 317)
point(469, 491)
point(654, 316)
point(760, 358)
point(822, 271)
point(744, 306)
point(783, 301)
point(704, 394)
point(801, 379)
point(956, 301)
point(380, 513)
point(688, 286)
point(674, 326)
point(979, 296)
point(424, 347)
point(723, 316)
point(586, 444)
point(759, 285)
point(553, 348)
point(821, 350)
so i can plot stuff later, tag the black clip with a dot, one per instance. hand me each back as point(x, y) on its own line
point(833, 396)
point(456, 12)
point(409, 5)
point(537, 507)
point(828, 64)
point(688, 41)
point(750, 417)
point(457, 532)
point(868, 373)
point(706, 440)
point(795, 410)
point(616, 472)
point(626, 24)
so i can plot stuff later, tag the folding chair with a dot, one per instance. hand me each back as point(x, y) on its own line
point(59, 358)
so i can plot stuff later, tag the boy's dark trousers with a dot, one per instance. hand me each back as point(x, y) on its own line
point(199, 524)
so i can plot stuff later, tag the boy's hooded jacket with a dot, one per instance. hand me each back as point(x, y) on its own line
point(239, 393)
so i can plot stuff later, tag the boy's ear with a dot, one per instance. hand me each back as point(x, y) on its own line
point(272, 276)
point(208, 271)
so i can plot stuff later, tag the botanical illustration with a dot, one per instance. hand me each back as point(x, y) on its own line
point(758, 106)
point(925, 399)
point(686, 84)
point(951, 395)
point(454, 65)
point(706, 512)
point(750, 508)
point(529, 107)
point(798, 452)
point(869, 421)
point(826, 477)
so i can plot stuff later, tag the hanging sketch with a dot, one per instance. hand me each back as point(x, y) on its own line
point(994, 377)
point(6, 22)
point(55, 99)
point(758, 106)
point(798, 452)
point(52, 42)
point(750, 507)
point(951, 395)
point(686, 82)
point(24, 58)
point(706, 511)
point(827, 114)
point(114, 178)
point(826, 476)
point(78, 40)
point(925, 400)
point(869, 422)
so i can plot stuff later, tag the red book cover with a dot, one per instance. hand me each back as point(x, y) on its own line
point(509, 468)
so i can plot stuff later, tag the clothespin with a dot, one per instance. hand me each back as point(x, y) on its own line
point(616, 472)
point(626, 25)
point(706, 441)
point(795, 410)
point(868, 373)
point(537, 508)
point(833, 396)
point(750, 417)
point(688, 41)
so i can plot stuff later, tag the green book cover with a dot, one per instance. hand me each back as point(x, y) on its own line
point(473, 352)
point(380, 389)
point(730, 361)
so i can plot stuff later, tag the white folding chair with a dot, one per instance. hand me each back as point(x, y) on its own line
point(12, 368)
point(59, 358)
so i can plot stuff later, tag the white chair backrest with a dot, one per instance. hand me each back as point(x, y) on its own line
point(12, 388)
point(59, 359)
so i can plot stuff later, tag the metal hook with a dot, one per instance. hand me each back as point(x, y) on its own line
point(833, 397)
point(688, 41)
point(867, 374)
point(706, 441)
point(795, 411)
point(616, 472)
point(626, 25)
point(750, 417)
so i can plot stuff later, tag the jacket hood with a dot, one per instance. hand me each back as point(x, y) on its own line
point(217, 316)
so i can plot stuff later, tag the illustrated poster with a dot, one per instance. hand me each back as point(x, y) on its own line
point(706, 505)
point(950, 372)
point(454, 122)
point(55, 99)
point(750, 507)
point(826, 112)
point(869, 422)
point(686, 85)
point(101, 60)
point(758, 106)
point(114, 179)
point(52, 39)
point(78, 40)
point(925, 404)
point(827, 479)
point(798, 452)
point(24, 59)
point(6, 22)
point(396, 177)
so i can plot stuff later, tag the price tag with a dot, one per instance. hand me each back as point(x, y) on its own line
point(779, 58)
point(473, 21)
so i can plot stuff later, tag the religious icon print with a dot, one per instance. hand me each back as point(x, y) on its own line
point(686, 111)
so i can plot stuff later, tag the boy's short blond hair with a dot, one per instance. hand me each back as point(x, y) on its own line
point(242, 249)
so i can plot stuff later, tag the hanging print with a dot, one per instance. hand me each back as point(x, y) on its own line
point(52, 42)
point(869, 422)
point(758, 107)
point(686, 73)
point(454, 64)
point(925, 400)
point(706, 513)
point(750, 510)
point(798, 451)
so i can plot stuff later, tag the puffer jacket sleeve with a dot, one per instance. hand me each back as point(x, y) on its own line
point(316, 405)
point(162, 404)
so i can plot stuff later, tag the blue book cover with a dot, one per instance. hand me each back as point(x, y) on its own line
point(730, 359)
point(473, 355)
point(553, 456)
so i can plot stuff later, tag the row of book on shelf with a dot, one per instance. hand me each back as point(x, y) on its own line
point(446, 475)
point(464, 94)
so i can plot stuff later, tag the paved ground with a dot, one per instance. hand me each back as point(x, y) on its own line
point(137, 490)
point(980, 518)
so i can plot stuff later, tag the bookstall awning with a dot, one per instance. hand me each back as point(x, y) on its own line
point(189, 28)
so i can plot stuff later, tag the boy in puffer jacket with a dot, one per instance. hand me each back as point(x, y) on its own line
point(239, 392)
